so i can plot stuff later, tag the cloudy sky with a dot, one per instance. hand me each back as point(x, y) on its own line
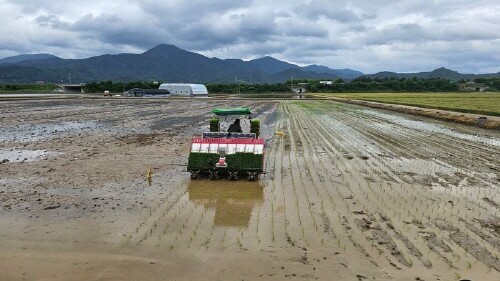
point(370, 36)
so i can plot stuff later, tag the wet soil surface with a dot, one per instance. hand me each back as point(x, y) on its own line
point(350, 194)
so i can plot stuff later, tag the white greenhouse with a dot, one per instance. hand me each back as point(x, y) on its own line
point(179, 89)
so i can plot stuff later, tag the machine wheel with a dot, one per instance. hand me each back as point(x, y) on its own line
point(253, 176)
point(213, 174)
point(233, 175)
point(195, 175)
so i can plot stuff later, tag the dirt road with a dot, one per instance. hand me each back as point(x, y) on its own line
point(351, 193)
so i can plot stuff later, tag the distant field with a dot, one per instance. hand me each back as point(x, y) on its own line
point(480, 103)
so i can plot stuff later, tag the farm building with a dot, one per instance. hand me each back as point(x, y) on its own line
point(185, 89)
point(136, 92)
point(472, 86)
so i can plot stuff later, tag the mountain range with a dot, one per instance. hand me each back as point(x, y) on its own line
point(436, 73)
point(168, 63)
point(164, 63)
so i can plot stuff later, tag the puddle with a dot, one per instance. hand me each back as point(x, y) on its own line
point(432, 128)
point(28, 133)
point(233, 201)
point(21, 155)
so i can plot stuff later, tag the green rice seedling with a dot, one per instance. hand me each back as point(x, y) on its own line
point(255, 127)
point(214, 124)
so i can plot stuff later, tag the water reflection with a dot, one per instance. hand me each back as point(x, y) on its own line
point(233, 200)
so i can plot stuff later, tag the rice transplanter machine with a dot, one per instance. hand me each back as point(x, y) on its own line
point(232, 155)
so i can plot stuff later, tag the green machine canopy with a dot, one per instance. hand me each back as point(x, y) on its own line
point(231, 111)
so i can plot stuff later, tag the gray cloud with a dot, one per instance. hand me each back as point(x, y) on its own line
point(406, 32)
point(328, 9)
point(52, 21)
point(367, 35)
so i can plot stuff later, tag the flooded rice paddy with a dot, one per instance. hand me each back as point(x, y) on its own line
point(349, 194)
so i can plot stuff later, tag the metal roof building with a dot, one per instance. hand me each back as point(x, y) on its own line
point(136, 92)
point(181, 89)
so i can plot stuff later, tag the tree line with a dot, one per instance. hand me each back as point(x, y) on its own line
point(117, 87)
point(360, 84)
point(248, 88)
point(493, 83)
point(367, 84)
point(27, 87)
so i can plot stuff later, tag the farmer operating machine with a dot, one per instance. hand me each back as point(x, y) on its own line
point(232, 154)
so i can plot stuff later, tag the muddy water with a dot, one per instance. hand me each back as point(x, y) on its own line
point(430, 128)
point(39, 132)
point(233, 202)
point(19, 155)
point(349, 194)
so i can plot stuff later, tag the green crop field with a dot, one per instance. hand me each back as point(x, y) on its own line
point(480, 103)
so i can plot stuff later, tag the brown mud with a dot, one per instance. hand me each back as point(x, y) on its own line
point(350, 193)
